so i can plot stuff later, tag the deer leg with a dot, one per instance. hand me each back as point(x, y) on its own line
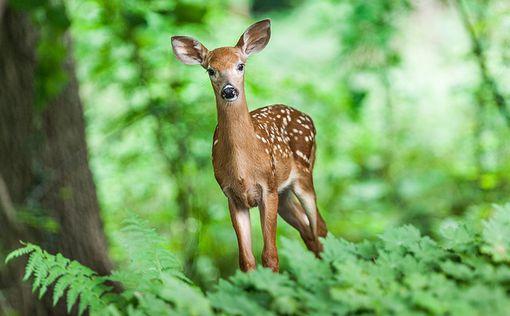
point(294, 214)
point(241, 221)
point(322, 229)
point(305, 193)
point(268, 218)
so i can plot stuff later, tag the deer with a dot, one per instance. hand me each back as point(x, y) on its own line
point(261, 158)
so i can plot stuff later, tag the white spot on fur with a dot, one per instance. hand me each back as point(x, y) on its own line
point(302, 156)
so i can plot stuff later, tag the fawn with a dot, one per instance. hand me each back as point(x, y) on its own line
point(261, 158)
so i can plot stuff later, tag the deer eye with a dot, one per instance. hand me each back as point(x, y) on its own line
point(240, 67)
point(210, 71)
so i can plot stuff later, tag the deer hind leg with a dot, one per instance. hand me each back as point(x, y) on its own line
point(294, 214)
point(304, 191)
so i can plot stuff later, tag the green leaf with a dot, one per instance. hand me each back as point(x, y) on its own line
point(456, 235)
point(400, 238)
point(187, 299)
point(457, 270)
point(496, 234)
point(233, 301)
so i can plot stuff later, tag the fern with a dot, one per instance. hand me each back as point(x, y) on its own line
point(466, 272)
point(402, 273)
point(145, 250)
point(66, 276)
point(147, 278)
point(148, 262)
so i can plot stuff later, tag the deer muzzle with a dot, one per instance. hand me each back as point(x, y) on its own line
point(229, 93)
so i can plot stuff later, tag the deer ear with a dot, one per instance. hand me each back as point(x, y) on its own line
point(189, 50)
point(255, 38)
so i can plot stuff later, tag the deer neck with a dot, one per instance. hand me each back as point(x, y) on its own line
point(236, 133)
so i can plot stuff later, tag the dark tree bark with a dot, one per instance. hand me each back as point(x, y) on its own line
point(44, 169)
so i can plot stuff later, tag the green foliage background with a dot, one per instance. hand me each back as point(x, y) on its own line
point(409, 100)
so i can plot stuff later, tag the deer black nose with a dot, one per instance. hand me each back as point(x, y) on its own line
point(229, 92)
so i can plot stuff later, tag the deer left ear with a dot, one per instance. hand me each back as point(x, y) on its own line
point(255, 38)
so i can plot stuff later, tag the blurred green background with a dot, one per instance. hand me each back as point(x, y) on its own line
point(408, 128)
point(409, 99)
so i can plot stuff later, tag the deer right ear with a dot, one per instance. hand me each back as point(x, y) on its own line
point(255, 38)
point(189, 50)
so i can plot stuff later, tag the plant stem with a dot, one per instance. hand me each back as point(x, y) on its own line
point(481, 59)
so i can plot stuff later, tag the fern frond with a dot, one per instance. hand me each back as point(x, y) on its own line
point(40, 270)
point(21, 251)
point(34, 260)
point(82, 306)
point(56, 270)
point(73, 292)
point(148, 257)
point(60, 287)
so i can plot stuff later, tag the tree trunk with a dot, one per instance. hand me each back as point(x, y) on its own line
point(44, 170)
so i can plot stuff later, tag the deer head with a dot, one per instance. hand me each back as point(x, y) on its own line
point(224, 65)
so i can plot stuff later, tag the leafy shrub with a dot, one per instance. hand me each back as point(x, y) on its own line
point(466, 272)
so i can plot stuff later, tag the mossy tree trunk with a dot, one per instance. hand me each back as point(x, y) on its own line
point(44, 172)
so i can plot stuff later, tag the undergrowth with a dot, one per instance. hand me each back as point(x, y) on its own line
point(465, 272)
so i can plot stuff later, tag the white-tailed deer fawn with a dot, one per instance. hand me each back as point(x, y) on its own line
point(261, 158)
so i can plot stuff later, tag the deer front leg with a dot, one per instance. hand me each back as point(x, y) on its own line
point(268, 218)
point(241, 221)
